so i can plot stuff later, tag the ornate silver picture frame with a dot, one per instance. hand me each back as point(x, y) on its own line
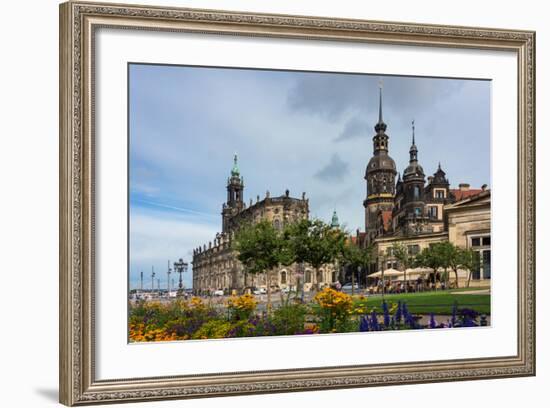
point(79, 22)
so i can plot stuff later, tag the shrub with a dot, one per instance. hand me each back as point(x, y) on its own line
point(214, 329)
point(241, 307)
point(289, 319)
point(334, 309)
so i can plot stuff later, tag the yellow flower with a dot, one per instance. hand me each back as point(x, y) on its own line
point(245, 302)
point(339, 302)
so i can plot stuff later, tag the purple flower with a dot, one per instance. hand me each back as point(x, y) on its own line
point(399, 313)
point(386, 314)
point(467, 322)
point(433, 323)
point(453, 315)
point(409, 318)
point(468, 313)
point(374, 321)
point(364, 324)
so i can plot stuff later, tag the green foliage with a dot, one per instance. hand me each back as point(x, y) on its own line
point(448, 256)
point(213, 329)
point(314, 242)
point(260, 247)
point(401, 253)
point(355, 257)
point(289, 318)
point(430, 258)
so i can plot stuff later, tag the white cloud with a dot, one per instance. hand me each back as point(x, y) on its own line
point(158, 237)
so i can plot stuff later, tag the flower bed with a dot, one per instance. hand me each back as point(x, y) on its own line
point(330, 312)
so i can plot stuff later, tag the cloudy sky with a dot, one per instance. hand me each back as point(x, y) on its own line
point(308, 132)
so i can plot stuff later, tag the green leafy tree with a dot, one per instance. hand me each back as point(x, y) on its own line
point(354, 257)
point(429, 258)
point(261, 248)
point(471, 261)
point(463, 259)
point(313, 242)
point(447, 253)
point(404, 258)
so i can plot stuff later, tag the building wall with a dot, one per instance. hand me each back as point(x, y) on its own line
point(215, 265)
point(382, 245)
point(464, 223)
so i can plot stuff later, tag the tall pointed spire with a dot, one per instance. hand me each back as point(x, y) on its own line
point(235, 169)
point(413, 150)
point(380, 126)
point(380, 103)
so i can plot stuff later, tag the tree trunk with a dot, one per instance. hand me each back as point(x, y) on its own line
point(456, 277)
point(469, 277)
point(352, 282)
point(316, 286)
point(268, 278)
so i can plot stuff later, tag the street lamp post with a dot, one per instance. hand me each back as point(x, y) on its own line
point(168, 279)
point(152, 280)
point(180, 267)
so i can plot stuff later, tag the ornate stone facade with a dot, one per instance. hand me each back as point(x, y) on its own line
point(215, 265)
point(416, 212)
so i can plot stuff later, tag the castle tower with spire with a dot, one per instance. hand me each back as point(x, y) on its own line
point(235, 190)
point(413, 183)
point(380, 177)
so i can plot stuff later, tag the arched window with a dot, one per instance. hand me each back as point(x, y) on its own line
point(319, 276)
point(283, 277)
point(308, 276)
point(277, 224)
point(416, 192)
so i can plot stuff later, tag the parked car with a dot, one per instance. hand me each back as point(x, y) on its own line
point(259, 291)
point(348, 287)
point(218, 292)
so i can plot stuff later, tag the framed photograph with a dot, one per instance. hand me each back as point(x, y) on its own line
point(256, 203)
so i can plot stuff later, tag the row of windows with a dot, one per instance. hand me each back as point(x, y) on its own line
point(481, 241)
point(411, 249)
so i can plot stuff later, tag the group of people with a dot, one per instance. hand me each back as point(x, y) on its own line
point(415, 285)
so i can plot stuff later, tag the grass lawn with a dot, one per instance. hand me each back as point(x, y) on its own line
point(438, 302)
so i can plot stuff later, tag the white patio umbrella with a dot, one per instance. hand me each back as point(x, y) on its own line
point(388, 273)
point(416, 272)
point(392, 273)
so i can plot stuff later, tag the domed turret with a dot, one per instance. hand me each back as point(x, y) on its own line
point(439, 177)
point(414, 169)
point(334, 222)
point(380, 174)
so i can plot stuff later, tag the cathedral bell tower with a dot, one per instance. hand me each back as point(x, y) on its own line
point(235, 189)
point(380, 176)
